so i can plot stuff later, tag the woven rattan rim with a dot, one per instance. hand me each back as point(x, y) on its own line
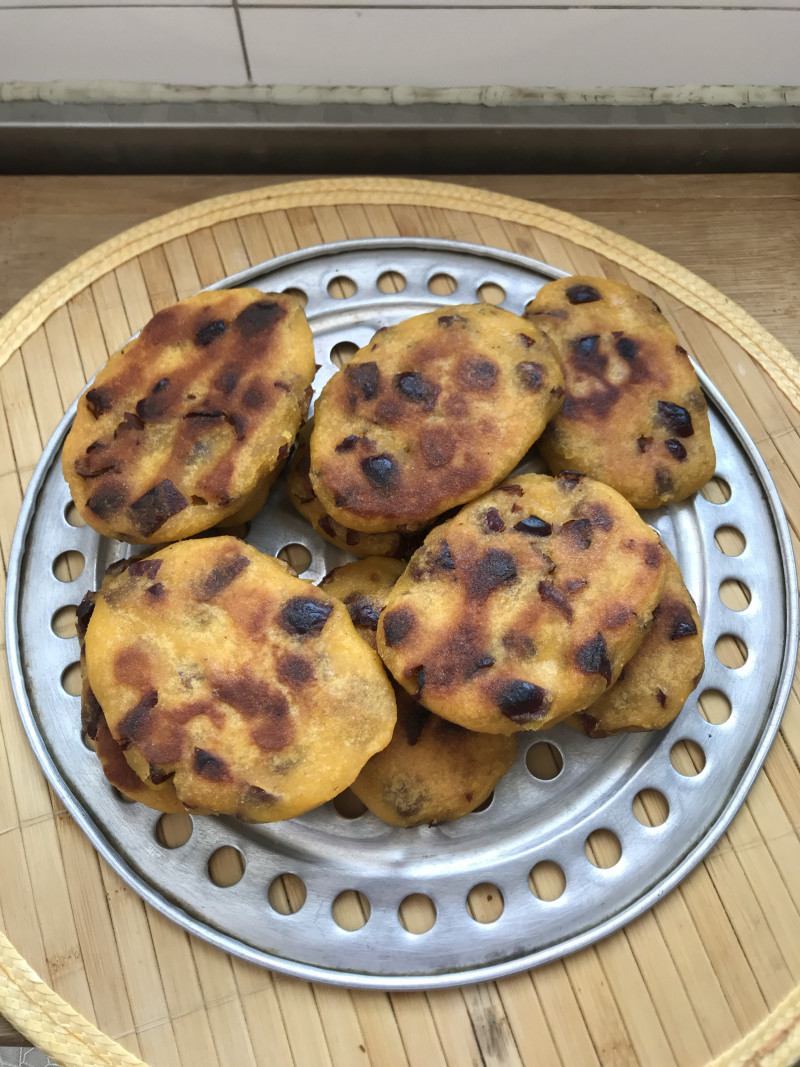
point(26, 1001)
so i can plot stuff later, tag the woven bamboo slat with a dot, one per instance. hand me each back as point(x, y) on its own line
point(92, 975)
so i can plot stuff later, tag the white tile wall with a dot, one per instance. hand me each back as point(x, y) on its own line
point(562, 48)
point(181, 45)
point(456, 43)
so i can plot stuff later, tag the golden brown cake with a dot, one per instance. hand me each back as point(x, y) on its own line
point(248, 688)
point(432, 770)
point(656, 682)
point(394, 543)
point(634, 415)
point(525, 607)
point(430, 414)
point(186, 425)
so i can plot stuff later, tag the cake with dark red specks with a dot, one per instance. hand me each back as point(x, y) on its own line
point(657, 680)
point(394, 543)
point(429, 415)
point(432, 770)
point(227, 685)
point(190, 423)
point(525, 607)
point(634, 415)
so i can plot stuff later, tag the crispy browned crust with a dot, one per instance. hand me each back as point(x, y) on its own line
point(634, 415)
point(524, 608)
point(657, 680)
point(184, 425)
point(246, 686)
point(431, 413)
point(395, 543)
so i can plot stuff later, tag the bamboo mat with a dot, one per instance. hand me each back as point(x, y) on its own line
point(709, 975)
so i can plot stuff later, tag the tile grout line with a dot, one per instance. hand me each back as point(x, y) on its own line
point(240, 28)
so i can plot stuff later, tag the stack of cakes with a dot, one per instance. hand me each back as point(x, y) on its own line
point(215, 680)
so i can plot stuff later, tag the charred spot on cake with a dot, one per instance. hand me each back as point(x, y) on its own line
point(579, 532)
point(493, 521)
point(265, 707)
point(294, 670)
point(551, 594)
point(352, 537)
point(91, 713)
point(362, 610)
point(448, 320)
point(513, 490)
point(587, 355)
point(525, 341)
point(382, 472)
point(348, 443)
point(675, 418)
point(534, 526)
point(492, 570)
point(256, 318)
point(683, 625)
point(366, 377)
point(661, 697)
point(569, 479)
point(522, 701)
point(531, 375)
point(326, 524)
point(582, 294)
point(304, 616)
point(618, 615)
point(210, 332)
point(136, 722)
point(99, 400)
point(627, 347)
point(228, 378)
point(96, 460)
point(158, 504)
point(129, 422)
point(256, 795)
point(438, 446)
point(219, 578)
point(599, 516)
point(675, 448)
point(442, 558)
point(83, 613)
point(652, 554)
point(209, 766)
point(255, 396)
point(478, 374)
point(414, 719)
point(156, 591)
point(592, 657)
point(157, 403)
point(644, 443)
point(158, 775)
point(519, 644)
point(397, 625)
point(107, 501)
point(417, 389)
point(664, 483)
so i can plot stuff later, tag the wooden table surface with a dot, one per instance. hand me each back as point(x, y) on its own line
point(740, 232)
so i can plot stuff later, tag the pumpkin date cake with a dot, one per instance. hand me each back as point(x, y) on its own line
point(245, 688)
point(524, 607)
point(634, 415)
point(432, 770)
point(190, 422)
point(395, 543)
point(656, 682)
point(430, 414)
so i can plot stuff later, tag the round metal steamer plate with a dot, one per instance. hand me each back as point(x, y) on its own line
point(529, 820)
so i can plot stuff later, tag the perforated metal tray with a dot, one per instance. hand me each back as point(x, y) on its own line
point(530, 820)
